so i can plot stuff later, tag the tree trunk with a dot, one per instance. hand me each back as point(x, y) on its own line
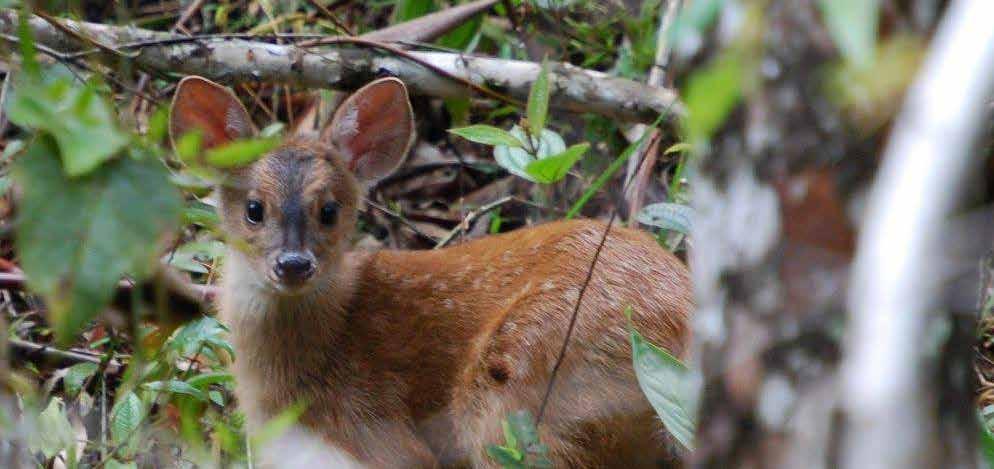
point(778, 195)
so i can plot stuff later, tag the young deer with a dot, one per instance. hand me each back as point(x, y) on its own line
point(413, 358)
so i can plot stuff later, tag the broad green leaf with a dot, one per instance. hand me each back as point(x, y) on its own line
point(538, 100)
point(668, 216)
point(463, 36)
point(201, 214)
point(77, 237)
point(487, 135)
point(240, 152)
point(174, 386)
point(192, 256)
point(506, 457)
point(80, 121)
point(216, 397)
point(190, 338)
point(668, 386)
point(712, 92)
point(515, 160)
point(678, 148)
point(553, 168)
point(187, 147)
point(158, 125)
point(125, 418)
point(54, 430)
point(203, 380)
point(76, 375)
point(405, 10)
point(853, 26)
point(610, 170)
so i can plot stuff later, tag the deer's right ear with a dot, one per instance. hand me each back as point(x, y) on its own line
point(201, 104)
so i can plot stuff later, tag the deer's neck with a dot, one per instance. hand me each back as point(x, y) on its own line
point(281, 339)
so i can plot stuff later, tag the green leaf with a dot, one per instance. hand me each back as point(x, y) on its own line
point(192, 256)
point(711, 94)
point(506, 457)
point(610, 170)
point(203, 380)
point(554, 168)
point(76, 375)
point(462, 37)
point(667, 384)
point(174, 386)
point(240, 152)
point(188, 146)
point(515, 160)
point(853, 26)
point(125, 417)
point(54, 431)
point(77, 237)
point(487, 135)
point(158, 125)
point(668, 216)
point(201, 214)
point(538, 100)
point(405, 10)
point(80, 121)
point(189, 339)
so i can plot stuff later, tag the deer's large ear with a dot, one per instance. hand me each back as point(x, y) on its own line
point(201, 104)
point(373, 128)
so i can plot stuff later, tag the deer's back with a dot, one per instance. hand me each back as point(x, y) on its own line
point(454, 324)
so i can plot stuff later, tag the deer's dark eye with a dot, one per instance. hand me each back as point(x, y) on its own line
point(329, 213)
point(254, 212)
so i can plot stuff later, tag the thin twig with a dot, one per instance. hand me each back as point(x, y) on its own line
point(471, 218)
point(31, 349)
point(572, 320)
point(332, 16)
point(402, 220)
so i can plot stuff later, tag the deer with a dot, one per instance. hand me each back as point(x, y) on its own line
point(413, 358)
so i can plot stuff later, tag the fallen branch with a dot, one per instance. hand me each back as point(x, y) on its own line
point(180, 299)
point(28, 350)
point(343, 66)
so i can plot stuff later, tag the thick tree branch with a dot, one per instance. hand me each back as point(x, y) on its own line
point(343, 66)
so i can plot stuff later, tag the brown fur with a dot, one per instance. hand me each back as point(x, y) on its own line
point(412, 358)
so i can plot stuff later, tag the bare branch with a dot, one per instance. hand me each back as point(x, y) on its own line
point(345, 67)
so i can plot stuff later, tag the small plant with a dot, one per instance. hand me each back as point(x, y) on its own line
point(521, 448)
point(529, 150)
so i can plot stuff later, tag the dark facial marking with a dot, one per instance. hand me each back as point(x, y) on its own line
point(291, 168)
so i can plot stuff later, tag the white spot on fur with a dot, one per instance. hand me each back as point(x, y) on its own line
point(347, 124)
point(448, 303)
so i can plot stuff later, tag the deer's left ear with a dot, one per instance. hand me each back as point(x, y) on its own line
point(202, 105)
point(373, 128)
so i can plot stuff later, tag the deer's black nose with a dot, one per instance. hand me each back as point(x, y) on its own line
point(294, 267)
